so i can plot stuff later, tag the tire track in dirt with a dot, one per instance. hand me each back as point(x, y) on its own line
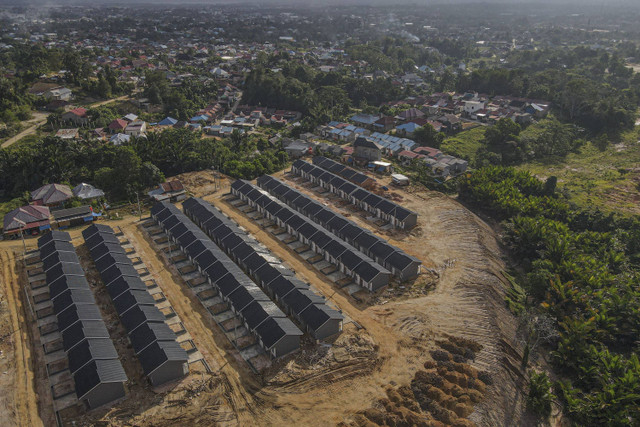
point(25, 396)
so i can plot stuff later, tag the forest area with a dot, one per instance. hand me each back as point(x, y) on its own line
point(580, 269)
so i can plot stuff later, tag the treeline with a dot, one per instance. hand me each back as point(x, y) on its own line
point(15, 101)
point(580, 268)
point(124, 170)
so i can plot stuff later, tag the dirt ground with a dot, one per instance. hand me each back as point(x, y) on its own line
point(391, 340)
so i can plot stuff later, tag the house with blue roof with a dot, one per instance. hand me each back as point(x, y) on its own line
point(200, 118)
point(168, 121)
point(365, 120)
point(119, 138)
point(407, 129)
point(213, 130)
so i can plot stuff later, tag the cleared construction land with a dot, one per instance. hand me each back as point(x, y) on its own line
point(433, 351)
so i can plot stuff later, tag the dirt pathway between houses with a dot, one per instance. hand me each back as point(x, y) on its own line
point(210, 340)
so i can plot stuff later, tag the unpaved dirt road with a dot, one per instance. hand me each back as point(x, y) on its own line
point(20, 391)
point(34, 123)
point(39, 118)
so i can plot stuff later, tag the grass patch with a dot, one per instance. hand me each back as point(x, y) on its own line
point(464, 144)
point(606, 179)
point(29, 139)
point(9, 205)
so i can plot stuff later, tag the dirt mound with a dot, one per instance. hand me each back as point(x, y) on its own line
point(444, 393)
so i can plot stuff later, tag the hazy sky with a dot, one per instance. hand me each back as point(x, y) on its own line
point(548, 5)
point(604, 3)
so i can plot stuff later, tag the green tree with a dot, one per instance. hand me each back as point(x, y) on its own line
point(427, 136)
point(540, 396)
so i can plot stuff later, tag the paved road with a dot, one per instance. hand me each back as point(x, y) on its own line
point(40, 118)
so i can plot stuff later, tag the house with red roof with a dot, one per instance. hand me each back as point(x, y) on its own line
point(171, 190)
point(406, 156)
point(77, 116)
point(433, 153)
point(118, 125)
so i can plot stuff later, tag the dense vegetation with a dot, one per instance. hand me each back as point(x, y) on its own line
point(581, 268)
point(124, 170)
point(507, 143)
point(183, 101)
point(323, 96)
point(396, 55)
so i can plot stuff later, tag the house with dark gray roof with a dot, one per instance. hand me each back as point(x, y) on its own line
point(59, 257)
point(72, 297)
point(123, 284)
point(278, 336)
point(81, 330)
point(53, 236)
point(116, 270)
point(64, 283)
point(77, 312)
point(132, 298)
point(100, 382)
point(103, 249)
point(54, 247)
point(63, 269)
point(164, 361)
point(321, 321)
point(89, 350)
point(149, 333)
point(110, 259)
point(257, 312)
point(141, 314)
point(99, 238)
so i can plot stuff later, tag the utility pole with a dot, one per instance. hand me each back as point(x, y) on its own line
point(24, 245)
point(139, 210)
